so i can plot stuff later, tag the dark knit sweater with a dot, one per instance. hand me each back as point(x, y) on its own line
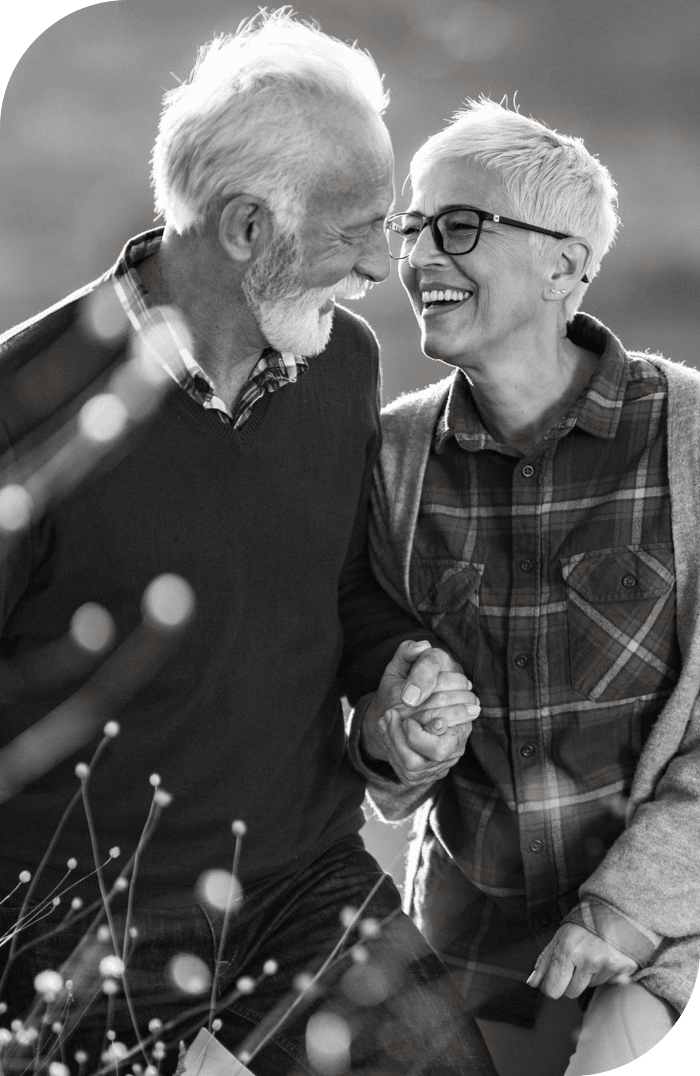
point(267, 524)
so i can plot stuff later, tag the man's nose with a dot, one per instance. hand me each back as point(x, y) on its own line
point(374, 261)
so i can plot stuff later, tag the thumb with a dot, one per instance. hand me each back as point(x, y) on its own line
point(406, 654)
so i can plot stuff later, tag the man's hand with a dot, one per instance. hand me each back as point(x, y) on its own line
point(575, 959)
point(421, 716)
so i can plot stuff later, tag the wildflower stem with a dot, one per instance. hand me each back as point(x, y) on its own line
point(45, 858)
point(233, 890)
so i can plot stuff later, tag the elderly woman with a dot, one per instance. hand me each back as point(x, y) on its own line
point(538, 511)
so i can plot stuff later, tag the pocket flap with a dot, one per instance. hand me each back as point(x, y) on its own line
point(441, 586)
point(624, 574)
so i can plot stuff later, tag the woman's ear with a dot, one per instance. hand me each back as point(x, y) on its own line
point(570, 267)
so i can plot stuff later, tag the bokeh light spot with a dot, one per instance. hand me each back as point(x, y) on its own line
point(190, 974)
point(168, 601)
point(220, 889)
point(15, 508)
point(103, 418)
point(328, 1043)
point(92, 627)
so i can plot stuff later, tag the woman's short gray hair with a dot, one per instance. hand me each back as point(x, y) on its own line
point(247, 119)
point(549, 178)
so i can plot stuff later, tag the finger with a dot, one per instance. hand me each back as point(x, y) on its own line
point(453, 681)
point(444, 710)
point(579, 981)
point(542, 964)
point(436, 747)
point(410, 764)
point(405, 657)
point(422, 678)
point(558, 975)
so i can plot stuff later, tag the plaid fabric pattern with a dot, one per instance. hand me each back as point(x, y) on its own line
point(551, 578)
point(273, 370)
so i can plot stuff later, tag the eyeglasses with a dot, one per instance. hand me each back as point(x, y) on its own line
point(455, 231)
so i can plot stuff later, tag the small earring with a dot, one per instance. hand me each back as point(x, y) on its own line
point(558, 291)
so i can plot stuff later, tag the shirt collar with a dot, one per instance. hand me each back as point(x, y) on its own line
point(140, 310)
point(597, 410)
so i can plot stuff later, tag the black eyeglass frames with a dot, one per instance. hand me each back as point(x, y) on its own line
point(455, 230)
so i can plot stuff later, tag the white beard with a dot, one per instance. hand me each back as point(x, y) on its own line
point(289, 318)
point(296, 324)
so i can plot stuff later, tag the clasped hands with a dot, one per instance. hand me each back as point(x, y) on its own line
point(421, 715)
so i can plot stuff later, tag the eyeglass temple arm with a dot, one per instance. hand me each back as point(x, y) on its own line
point(497, 218)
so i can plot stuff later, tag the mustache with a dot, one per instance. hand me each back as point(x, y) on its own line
point(352, 286)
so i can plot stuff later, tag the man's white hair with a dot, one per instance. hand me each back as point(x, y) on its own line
point(248, 119)
point(549, 179)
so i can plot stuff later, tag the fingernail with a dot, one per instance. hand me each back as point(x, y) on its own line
point(411, 695)
point(528, 981)
point(473, 710)
point(438, 724)
point(381, 725)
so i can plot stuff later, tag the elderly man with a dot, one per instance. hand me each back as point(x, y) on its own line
point(273, 170)
point(539, 510)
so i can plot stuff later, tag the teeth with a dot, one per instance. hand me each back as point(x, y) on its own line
point(451, 295)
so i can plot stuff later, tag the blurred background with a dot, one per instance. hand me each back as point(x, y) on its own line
point(81, 109)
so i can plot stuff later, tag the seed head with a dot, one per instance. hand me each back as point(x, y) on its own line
point(24, 877)
point(270, 967)
point(82, 770)
point(72, 863)
point(154, 779)
point(48, 982)
point(112, 729)
point(115, 852)
point(245, 985)
point(239, 828)
point(111, 966)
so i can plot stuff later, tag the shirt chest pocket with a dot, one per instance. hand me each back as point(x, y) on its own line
point(621, 620)
point(446, 595)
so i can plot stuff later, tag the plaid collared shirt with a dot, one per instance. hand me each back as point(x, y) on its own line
point(273, 370)
point(551, 578)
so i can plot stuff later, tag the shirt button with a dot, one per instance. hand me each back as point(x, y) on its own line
point(521, 661)
point(528, 750)
point(543, 920)
point(526, 565)
point(528, 471)
point(536, 845)
point(629, 581)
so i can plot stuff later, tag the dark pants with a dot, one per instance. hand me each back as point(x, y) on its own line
point(386, 993)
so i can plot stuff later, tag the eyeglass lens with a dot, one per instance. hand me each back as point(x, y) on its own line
point(458, 230)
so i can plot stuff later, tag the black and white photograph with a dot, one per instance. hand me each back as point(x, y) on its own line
point(349, 524)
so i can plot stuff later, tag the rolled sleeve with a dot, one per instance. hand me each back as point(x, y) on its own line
point(630, 937)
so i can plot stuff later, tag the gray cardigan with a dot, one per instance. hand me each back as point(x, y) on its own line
point(652, 872)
